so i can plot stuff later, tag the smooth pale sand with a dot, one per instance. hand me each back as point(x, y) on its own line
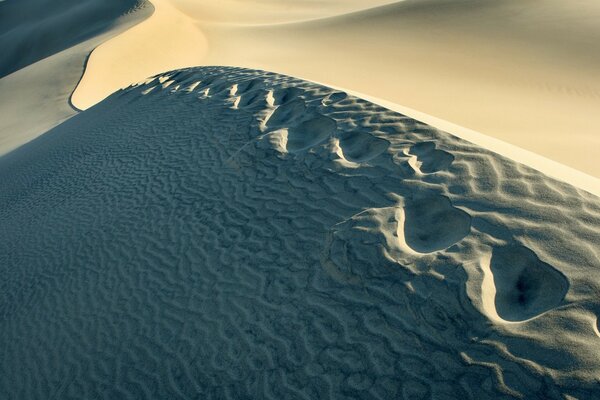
point(223, 233)
point(527, 73)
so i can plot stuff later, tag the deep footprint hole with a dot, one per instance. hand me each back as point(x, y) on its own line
point(360, 147)
point(525, 286)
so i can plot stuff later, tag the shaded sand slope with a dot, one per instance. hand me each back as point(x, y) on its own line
point(229, 233)
point(34, 29)
point(527, 72)
point(35, 98)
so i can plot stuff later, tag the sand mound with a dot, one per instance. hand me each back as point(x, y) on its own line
point(184, 239)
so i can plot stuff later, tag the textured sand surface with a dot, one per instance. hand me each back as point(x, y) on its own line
point(527, 72)
point(228, 233)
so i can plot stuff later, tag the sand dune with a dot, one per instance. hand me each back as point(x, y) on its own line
point(518, 71)
point(167, 40)
point(31, 30)
point(230, 233)
point(46, 45)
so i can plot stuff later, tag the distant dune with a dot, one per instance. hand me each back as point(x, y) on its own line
point(230, 233)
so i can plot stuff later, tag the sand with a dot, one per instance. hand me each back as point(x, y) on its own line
point(226, 233)
point(168, 40)
point(230, 233)
point(524, 72)
point(44, 52)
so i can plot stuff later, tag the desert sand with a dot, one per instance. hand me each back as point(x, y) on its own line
point(226, 232)
point(44, 51)
point(527, 73)
point(230, 233)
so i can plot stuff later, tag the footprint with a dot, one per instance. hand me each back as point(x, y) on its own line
point(525, 286)
point(363, 246)
point(286, 113)
point(429, 159)
point(309, 133)
point(221, 89)
point(249, 86)
point(256, 98)
point(333, 98)
point(285, 95)
point(433, 224)
point(359, 147)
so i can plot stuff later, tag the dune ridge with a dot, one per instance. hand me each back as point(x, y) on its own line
point(230, 233)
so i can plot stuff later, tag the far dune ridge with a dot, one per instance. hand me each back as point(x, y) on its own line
point(227, 233)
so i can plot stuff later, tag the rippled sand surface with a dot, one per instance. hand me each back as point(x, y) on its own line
point(230, 233)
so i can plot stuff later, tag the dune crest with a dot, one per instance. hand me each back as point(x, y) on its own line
point(515, 80)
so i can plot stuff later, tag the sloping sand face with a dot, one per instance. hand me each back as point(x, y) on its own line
point(44, 46)
point(216, 233)
point(31, 30)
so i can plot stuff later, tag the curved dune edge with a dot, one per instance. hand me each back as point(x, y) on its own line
point(173, 35)
point(165, 41)
point(239, 13)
